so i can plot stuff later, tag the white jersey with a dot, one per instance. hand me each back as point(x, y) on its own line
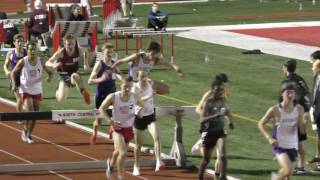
point(141, 66)
point(123, 111)
point(142, 92)
point(30, 78)
point(286, 130)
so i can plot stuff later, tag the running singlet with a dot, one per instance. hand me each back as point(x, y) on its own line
point(69, 64)
point(108, 86)
point(15, 58)
point(212, 107)
point(145, 91)
point(39, 21)
point(123, 112)
point(31, 77)
point(141, 66)
point(286, 129)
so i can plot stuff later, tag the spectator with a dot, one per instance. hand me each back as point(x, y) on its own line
point(28, 5)
point(38, 20)
point(124, 7)
point(3, 15)
point(76, 14)
point(156, 19)
point(10, 30)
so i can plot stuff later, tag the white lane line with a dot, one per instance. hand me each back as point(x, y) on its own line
point(29, 162)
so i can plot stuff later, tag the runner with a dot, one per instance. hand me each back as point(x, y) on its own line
point(214, 112)
point(143, 89)
point(197, 146)
point(146, 60)
point(31, 86)
point(66, 62)
point(286, 117)
point(123, 114)
point(12, 59)
point(105, 79)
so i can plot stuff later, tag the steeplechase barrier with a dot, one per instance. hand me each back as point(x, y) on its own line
point(85, 32)
point(177, 155)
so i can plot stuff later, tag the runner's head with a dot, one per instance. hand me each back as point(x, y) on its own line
point(142, 77)
point(154, 50)
point(18, 41)
point(69, 43)
point(32, 49)
point(217, 89)
point(126, 85)
point(287, 91)
point(108, 51)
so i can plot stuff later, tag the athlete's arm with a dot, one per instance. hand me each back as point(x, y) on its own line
point(93, 76)
point(13, 74)
point(176, 68)
point(200, 106)
point(128, 59)
point(107, 102)
point(53, 60)
point(6, 65)
point(47, 71)
point(140, 103)
point(270, 115)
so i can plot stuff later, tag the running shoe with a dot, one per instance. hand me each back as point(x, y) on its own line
point(24, 136)
point(109, 170)
point(86, 96)
point(298, 171)
point(136, 171)
point(160, 166)
point(314, 160)
point(19, 122)
point(195, 150)
point(29, 140)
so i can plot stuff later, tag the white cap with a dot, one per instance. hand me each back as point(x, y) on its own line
point(37, 4)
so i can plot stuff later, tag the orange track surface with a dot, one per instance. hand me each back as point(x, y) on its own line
point(61, 143)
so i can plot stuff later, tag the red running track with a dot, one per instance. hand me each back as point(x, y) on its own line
point(301, 35)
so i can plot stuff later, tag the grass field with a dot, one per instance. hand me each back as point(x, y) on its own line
point(254, 83)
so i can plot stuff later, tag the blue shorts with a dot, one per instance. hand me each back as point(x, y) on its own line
point(292, 153)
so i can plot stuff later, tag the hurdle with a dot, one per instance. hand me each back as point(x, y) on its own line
point(138, 36)
point(60, 11)
point(85, 32)
point(121, 32)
